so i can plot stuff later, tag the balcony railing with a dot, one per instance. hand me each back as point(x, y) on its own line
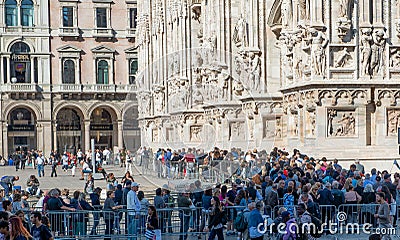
point(19, 29)
point(103, 33)
point(69, 32)
point(67, 88)
point(19, 87)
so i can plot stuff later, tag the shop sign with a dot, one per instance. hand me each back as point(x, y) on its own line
point(21, 128)
point(101, 127)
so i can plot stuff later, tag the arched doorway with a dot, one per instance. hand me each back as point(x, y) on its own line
point(102, 128)
point(21, 130)
point(131, 128)
point(69, 130)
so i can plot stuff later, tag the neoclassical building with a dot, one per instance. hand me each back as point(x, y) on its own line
point(68, 72)
point(319, 75)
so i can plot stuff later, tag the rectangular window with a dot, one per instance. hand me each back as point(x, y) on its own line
point(68, 17)
point(27, 17)
point(133, 67)
point(11, 16)
point(101, 17)
point(132, 17)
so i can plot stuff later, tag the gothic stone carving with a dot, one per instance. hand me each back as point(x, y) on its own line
point(311, 121)
point(145, 103)
point(341, 123)
point(236, 130)
point(273, 128)
point(319, 42)
point(393, 121)
point(395, 58)
point(240, 34)
point(195, 133)
point(178, 93)
point(343, 58)
point(293, 124)
point(248, 67)
point(154, 135)
point(372, 51)
point(159, 99)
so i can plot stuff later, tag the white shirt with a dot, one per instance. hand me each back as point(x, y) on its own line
point(39, 160)
point(86, 166)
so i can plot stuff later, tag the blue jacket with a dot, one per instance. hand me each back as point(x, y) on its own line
point(255, 219)
point(325, 197)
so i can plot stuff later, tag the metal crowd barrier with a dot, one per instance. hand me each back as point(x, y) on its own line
point(181, 222)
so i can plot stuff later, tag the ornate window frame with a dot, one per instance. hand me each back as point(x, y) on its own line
point(104, 53)
point(69, 52)
point(101, 32)
point(130, 32)
point(69, 31)
point(131, 54)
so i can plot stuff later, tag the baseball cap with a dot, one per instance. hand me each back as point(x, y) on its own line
point(134, 184)
point(386, 176)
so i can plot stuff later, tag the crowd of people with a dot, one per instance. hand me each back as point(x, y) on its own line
point(275, 187)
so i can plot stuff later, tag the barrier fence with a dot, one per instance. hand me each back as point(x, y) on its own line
point(347, 219)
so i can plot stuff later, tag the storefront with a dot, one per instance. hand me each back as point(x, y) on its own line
point(69, 130)
point(21, 130)
point(102, 128)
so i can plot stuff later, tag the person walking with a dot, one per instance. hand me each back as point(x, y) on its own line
point(133, 207)
point(255, 219)
point(95, 198)
point(40, 164)
point(383, 214)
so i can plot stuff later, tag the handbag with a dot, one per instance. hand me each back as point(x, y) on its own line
point(149, 234)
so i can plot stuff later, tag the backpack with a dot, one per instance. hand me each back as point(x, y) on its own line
point(171, 201)
point(240, 223)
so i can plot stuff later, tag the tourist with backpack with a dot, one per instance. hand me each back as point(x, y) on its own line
point(242, 221)
point(290, 231)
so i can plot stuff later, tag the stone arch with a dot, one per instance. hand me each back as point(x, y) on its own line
point(80, 108)
point(274, 20)
point(26, 41)
point(116, 111)
point(30, 105)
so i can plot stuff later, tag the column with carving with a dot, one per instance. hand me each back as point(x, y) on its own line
point(4, 142)
point(365, 10)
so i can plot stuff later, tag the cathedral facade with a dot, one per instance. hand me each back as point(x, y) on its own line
point(318, 75)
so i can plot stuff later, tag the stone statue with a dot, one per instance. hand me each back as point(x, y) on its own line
point(343, 57)
point(159, 100)
point(197, 95)
point(278, 128)
point(395, 59)
point(365, 46)
point(299, 68)
point(332, 113)
point(195, 134)
point(377, 51)
point(223, 81)
point(237, 88)
point(343, 8)
point(393, 122)
point(319, 43)
point(240, 37)
point(311, 123)
point(236, 131)
point(346, 125)
point(255, 71)
point(286, 12)
point(250, 123)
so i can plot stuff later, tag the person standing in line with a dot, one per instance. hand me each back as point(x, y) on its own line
point(40, 164)
point(152, 223)
point(39, 231)
point(133, 207)
point(17, 229)
point(109, 216)
point(383, 214)
point(54, 164)
point(95, 198)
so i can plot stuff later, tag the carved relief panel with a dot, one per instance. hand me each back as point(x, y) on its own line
point(393, 121)
point(169, 134)
point(236, 131)
point(293, 125)
point(310, 123)
point(195, 133)
point(154, 135)
point(272, 128)
point(341, 123)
